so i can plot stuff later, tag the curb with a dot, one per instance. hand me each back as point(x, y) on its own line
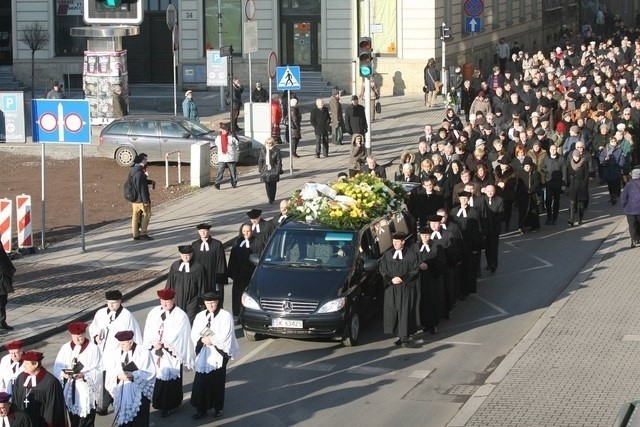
point(468, 410)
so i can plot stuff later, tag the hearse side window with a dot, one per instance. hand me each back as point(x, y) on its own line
point(368, 249)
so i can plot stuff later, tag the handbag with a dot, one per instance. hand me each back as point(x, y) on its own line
point(439, 85)
point(378, 107)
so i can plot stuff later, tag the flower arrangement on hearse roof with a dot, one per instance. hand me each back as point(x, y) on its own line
point(346, 204)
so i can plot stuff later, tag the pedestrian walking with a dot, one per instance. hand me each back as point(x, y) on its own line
point(355, 119)
point(433, 262)
point(295, 130)
point(130, 379)
point(189, 281)
point(167, 334)
point(119, 104)
point(107, 322)
point(321, 122)
point(259, 94)
point(495, 213)
point(431, 82)
point(375, 95)
point(7, 271)
point(141, 206)
point(189, 107)
point(399, 270)
point(227, 145)
point(235, 98)
point(270, 167)
point(526, 193)
point(55, 92)
point(214, 337)
point(503, 52)
point(38, 393)
point(209, 253)
point(337, 118)
point(630, 201)
point(556, 173)
point(240, 267)
point(78, 367)
point(612, 160)
point(276, 118)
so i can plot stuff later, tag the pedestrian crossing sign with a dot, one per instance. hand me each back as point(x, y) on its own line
point(288, 78)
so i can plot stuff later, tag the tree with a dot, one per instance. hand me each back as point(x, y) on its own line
point(36, 36)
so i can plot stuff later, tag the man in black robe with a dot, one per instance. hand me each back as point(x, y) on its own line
point(468, 219)
point(189, 280)
point(283, 216)
point(495, 210)
point(38, 393)
point(7, 270)
point(209, 253)
point(240, 268)
point(261, 228)
point(425, 201)
point(451, 243)
point(433, 261)
point(9, 414)
point(399, 270)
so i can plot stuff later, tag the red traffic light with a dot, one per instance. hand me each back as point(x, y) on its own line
point(365, 43)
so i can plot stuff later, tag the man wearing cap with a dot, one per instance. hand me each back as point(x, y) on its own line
point(10, 365)
point(78, 367)
point(399, 270)
point(107, 322)
point(262, 229)
point(209, 252)
point(495, 213)
point(39, 394)
point(527, 188)
point(55, 92)
point(337, 119)
point(355, 119)
point(240, 267)
point(452, 245)
point(166, 336)
point(7, 270)
point(9, 416)
point(189, 107)
point(131, 374)
point(189, 281)
point(214, 338)
point(468, 219)
point(433, 262)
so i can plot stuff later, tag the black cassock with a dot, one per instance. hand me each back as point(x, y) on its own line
point(45, 405)
point(18, 419)
point(241, 269)
point(266, 230)
point(431, 290)
point(473, 242)
point(400, 301)
point(188, 286)
point(214, 263)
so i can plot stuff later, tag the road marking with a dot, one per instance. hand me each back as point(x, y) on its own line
point(369, 370)
point(420, 374)
point(250, 354)
point(490, 304)
point(319, 367)
point(458, 342)
point(631, 338)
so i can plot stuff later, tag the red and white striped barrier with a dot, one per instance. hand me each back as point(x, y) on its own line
point(6, 211)
point(23, 219)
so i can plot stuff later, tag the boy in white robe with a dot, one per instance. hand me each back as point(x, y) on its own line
point(11, 366)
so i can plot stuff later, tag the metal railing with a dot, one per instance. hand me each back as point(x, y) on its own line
point(166, 168)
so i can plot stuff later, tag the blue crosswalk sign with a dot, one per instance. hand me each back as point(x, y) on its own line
point(288, 78)
point(61, 121)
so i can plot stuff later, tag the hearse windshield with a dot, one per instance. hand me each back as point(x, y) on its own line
point(310, 248)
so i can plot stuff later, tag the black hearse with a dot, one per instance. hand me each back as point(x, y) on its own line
point(317, 282)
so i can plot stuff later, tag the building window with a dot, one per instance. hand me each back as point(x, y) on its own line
point(534, 8)
point(509, 13)
point(231, 17)
point(68, 14)
point(384, 26)
point(522, 11)
point(495, 14)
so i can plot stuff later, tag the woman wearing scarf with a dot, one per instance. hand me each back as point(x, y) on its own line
point(612, 160)
point(270, 167)
point(577, 186)
point(227, 155)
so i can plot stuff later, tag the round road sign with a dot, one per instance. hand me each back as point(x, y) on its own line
point(172, 16)
point(473, 8)
point(272, 65)
point(250, 10)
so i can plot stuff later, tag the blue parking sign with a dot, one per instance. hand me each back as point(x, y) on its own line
point(61, 121)
point(9, 102)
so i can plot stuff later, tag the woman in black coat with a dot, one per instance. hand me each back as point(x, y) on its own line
point(577, 186)
point(527, 187)
point(270, 167)
point(296, 121)
point(467, 97)
point(240, 267)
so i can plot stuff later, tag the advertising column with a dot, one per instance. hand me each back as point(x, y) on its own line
point(102, 73)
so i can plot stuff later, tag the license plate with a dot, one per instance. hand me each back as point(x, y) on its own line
point(286, 323)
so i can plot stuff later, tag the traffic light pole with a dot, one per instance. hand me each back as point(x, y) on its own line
point(443, 73)
point(367, 80)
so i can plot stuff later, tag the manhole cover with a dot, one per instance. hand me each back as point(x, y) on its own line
point(463, 390)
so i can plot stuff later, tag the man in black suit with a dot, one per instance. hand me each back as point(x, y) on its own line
point(372, 167)
point(495, 211)
point(282, 217)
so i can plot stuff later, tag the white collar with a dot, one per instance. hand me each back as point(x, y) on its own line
point(255, 227)
point(436, 235)
point(30, 379)
point(204, 246)
point(462, 212)
point(397, 254)
point(425, 247)
point(185, 266)
point(245, 243)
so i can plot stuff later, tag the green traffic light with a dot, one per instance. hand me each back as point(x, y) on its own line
point(365, 70)
point(112, 3)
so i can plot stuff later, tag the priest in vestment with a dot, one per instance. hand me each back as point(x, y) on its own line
point(189, 280)
point(209, 252)
point(11, 366)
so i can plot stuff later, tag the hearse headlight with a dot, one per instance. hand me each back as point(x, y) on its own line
point(333, 306)
point(249, 302)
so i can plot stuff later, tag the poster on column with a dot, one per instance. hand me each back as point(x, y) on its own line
point(102, 72)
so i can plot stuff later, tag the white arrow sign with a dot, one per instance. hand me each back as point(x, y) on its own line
point(472, 25)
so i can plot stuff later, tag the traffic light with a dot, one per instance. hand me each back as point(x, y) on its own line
point(113, 12)
point(365, 55)
point(445, 32)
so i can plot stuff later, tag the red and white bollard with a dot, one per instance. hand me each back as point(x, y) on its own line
point(23, 209)
point(6, 210)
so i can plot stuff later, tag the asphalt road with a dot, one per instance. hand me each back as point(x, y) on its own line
point(283, 382)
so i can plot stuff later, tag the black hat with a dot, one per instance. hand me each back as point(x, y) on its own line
point(399, 235)
point(503, 161)
point(528, 161)
point(185, 249)
point(434, 218)
point(425, 230)
point(55, 83)
point(5, 397)
point(464, 194)
point(487, 126)
point(540, 132)
point(211, 296)
point(203, 226)
point(438, 169)
point(254, 213)
point(113, 295)
point(354, 97)
point(545, 102)
point(124, 336)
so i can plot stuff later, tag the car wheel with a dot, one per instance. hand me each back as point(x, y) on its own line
point(251, 336)
point(213, 157)
point(125, 156)
point(353, 330)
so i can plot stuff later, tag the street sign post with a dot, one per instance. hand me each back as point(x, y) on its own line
point(172, 23)
point(288, 78)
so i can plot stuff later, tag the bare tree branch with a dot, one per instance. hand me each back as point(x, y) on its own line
point(36, 36)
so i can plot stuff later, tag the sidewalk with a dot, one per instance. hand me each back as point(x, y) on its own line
point(63, 283)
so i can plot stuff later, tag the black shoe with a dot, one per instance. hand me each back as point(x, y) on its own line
point(487, 268)
point(296, 156)
point(409, 344)
point(6, 327)
point(199, 415)
point(553, 222)
point(217, 186)
point(317, 156)
point(217, 414)
point(633, 245)
point(580, 222)
point(145, 237)
point(492, 269)
point(102, 412)
point(136, 237)
point(570, 223)
point(434, 330)
point(164, 414)
point(326, 154)
point(397, 342)
point(234, 185)
point(270, 202)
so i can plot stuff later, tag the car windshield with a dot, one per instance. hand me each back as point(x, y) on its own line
point(310, 249)
point(196, 128)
